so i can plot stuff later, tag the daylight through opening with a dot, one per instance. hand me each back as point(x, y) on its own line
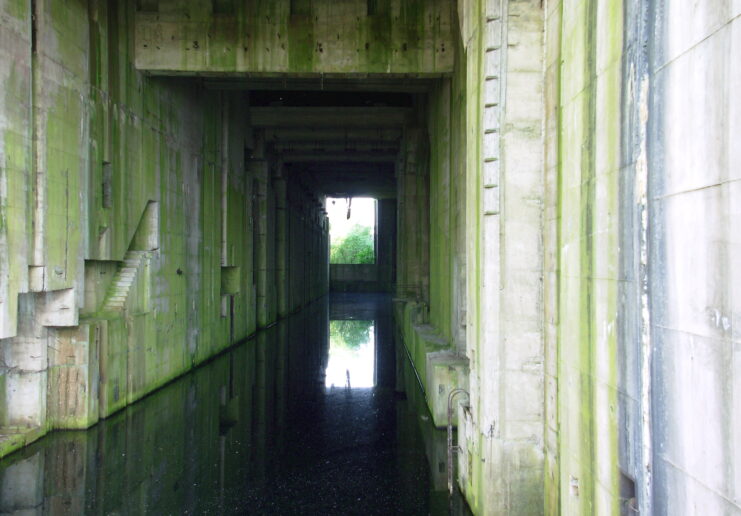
point(352, 230)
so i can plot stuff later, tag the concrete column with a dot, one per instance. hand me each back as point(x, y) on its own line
point(385, 243)
point(259, 171)
point(281, 224)
point(324, 250)
point(271, 299)
point(503, 429)
point(291, 248)
point(74, 375)
point(413, 218)
point(305, 259)
point(224, 180)
point(25, 382)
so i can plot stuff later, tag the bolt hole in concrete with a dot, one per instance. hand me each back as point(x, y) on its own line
point(258, 430)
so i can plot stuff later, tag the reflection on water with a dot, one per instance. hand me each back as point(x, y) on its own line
point(352, 348)
point(253, 431)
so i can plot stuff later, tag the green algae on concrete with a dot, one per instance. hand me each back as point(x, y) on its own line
point(399, 37)
point(113, 144)
point(15, 182)
point(587, 370)
point(107, 127)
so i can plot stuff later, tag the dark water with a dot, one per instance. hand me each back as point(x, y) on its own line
point(284, 423)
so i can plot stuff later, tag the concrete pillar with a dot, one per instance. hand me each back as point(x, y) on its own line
point(502, 429)
point(281, 226)
point(265, 237)
point(74, 376)
point(25, 379)
point(413, 218)
point(259, 168)
point(386, 244)
point(252, 239)
point(290, 247)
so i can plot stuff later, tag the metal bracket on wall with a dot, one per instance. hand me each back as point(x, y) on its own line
point(452, 448)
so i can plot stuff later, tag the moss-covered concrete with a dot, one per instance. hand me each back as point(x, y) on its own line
point(320, 37)
point(565, 230)
point(154, 443)
point(584, 59)
point(15, 159)
point(98, 161)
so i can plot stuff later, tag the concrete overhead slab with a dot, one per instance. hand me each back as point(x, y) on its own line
point(330, 117)
point(309, 38)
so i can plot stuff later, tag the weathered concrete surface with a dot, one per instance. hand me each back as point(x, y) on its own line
point(583, 110)
point(483, 307)
point(349, 37)
point(15, 159)
point(98, 161)
point(640, 173)
point(567, 208)
point(694, 237)
point(502, 434)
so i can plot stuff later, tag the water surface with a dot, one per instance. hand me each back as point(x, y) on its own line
point(319, 414)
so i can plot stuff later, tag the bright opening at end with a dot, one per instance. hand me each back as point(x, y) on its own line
point(352, 230)
point(352, 354)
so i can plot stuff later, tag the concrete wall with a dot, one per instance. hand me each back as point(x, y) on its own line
point(353, 277)
point(642, 370)
point(582, 171)
point(693, 198)
point(99, 161)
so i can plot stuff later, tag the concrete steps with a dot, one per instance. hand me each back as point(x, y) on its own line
point(118, 292)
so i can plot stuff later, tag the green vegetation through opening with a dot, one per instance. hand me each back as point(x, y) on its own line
point(352, 225)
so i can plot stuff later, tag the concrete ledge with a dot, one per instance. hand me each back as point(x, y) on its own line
point(438, 368)
point(446, 371)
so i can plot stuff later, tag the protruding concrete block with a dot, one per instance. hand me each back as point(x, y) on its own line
point(445, 371)
point(25, 399)
point(74, 376)
point(57, 308)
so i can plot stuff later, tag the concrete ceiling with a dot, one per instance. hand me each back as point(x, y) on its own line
point(340, 151)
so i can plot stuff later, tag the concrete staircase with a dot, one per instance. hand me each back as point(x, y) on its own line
point(122, 281)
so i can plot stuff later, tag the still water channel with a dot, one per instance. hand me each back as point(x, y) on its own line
point(319, 414)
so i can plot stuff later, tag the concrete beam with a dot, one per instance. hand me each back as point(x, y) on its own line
point(364, 157)
point(359, 82)
point(330, 117)
point(317, 135)
point(188, 38)
point(376, 169)
point(337, 147)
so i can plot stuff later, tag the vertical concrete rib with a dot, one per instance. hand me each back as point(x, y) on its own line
point(225, 118)
point(281, 227)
